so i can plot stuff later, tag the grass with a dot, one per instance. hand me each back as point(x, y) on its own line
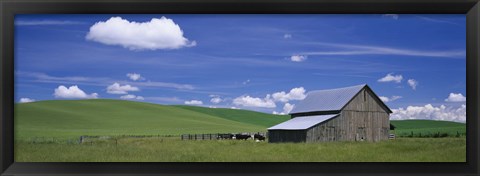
point(73, 118)
point(48, 131)
point(239, 115)
point(176, 150)
point(428, 127)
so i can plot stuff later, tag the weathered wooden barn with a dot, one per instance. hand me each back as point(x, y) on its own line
point(345, 114)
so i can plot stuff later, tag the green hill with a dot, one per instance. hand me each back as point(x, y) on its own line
point(72, 118)
point(239, 115)
point(427, 127)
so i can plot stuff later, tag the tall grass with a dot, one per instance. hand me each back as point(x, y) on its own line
point(176, 150)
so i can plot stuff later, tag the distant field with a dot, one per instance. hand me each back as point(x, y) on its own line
point(175, 150)
point(428, 127)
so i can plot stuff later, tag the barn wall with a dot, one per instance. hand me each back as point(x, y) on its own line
point(363, 119)
point(286, 136)
point(331, 130)
point(366, 118)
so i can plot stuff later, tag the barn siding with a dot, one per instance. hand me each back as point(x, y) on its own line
point(286, 136)
point(363, 116)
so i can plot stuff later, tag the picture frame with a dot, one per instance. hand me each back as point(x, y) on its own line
point(9, 8)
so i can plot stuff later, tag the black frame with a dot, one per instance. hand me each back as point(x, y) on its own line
point(8, 8)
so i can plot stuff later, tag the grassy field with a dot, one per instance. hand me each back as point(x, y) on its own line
point(50, 130)
point(175, 150)
point(73, 118)
point(428, 127)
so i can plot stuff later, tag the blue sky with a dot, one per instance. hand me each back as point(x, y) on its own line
point(415, 62)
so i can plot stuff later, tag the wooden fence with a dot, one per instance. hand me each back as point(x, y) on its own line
point(213, 136)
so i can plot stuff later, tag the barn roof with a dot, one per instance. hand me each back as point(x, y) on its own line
point(301, 123)
point(330, 100)
point(327, 100)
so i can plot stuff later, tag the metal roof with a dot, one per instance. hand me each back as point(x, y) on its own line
point(326, 100)
point(301, 123)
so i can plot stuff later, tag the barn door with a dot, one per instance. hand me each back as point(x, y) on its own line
point(361, 134)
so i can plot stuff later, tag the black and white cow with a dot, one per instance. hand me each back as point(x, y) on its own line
point(258, 137)
point(225, 136)
point(242, 136)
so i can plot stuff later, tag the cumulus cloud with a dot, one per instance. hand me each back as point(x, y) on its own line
point(456, 97)
point(249, 101)
point(72, 92)
point(287, 36)
point(26, 100)
point(431, 112)
point(158, 33)
point(391, 78)
point(298, 58)
point(392, 98)
point(193, 102)
point(116, 88)
point(278, 113)
point(216, 100)
point(135, 76)
point(287, 108)
point(413, 83)
point(130, 97)
point(297, 93)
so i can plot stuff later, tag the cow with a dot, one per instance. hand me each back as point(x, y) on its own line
point(242, 136)
point(258, 137)
point(225, 136)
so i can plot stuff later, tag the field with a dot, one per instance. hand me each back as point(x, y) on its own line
point(175, 150)
point(74, 118)
point(50, 131)
point(428, 128)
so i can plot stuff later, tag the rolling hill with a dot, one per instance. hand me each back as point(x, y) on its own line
point(73, 118)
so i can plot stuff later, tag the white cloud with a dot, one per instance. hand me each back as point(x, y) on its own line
point(155, 34)
point(72, 92)
point(26, 100)
point(456, 97)
point(298, 58)
point(135, 76)
point(413, 83)
point(278, 113)
point(431, 112)
point(287, 36)
point(248, 101)
point(294, 94)
point(287, 108)
point(216, 100)
point(391, 78)
point(351, 49)
point(193, 102)
point(393, 16)
point(130, 97)
point(387, 99)
point(246, 82)
point(116, 88)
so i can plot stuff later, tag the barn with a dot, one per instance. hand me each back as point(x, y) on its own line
point(344, 114)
